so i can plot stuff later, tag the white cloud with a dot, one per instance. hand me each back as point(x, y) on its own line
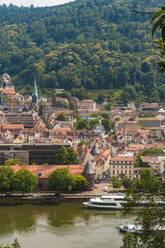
point(34, 2)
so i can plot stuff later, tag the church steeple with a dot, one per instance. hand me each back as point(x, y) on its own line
point(35, 96)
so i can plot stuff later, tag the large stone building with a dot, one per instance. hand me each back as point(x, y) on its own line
point(120, 167)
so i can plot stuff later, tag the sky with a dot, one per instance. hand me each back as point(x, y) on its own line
point(34, 2)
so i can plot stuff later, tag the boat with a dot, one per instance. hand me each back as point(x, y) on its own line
point(132, 228)
point(115, 202)
point(106, 202)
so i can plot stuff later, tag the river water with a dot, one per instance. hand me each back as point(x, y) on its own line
point(67, 225)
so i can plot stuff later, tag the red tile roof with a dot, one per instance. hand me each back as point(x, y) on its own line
point(122, 159)
point(46, 170)
point(11, 126)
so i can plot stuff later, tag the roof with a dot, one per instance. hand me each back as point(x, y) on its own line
point(88, 168)
point(122, 159)
point(88, 101)
point(12, 126)
point(150, 159)
point(43, 171)
point(95, 149)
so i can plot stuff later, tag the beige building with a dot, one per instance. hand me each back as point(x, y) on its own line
point(87, 104)
point(120, 167)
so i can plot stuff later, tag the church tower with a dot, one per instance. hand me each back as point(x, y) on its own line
point(35, 96)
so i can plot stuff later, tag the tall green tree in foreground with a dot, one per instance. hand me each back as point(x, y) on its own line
point(159, 23)
point(151, 215)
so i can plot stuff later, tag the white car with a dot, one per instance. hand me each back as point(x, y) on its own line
point(105, 189)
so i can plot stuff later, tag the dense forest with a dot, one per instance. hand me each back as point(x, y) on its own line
point(91, 44)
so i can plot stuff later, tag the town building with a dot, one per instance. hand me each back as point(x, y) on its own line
point(87, 104)
point(121, 167)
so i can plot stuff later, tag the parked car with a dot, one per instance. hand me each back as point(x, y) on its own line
point(97, 181)
point(105, 189)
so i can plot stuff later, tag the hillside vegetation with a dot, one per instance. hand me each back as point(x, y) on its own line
point(95, 44)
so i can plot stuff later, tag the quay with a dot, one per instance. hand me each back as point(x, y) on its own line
point(43, 198)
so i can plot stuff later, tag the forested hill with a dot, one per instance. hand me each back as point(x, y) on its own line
point(95, 44)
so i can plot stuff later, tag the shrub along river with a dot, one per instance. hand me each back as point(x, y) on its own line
point(67, 225)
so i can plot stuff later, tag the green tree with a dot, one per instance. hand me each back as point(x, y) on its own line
point(127, 183)
point(61, 117)
point(149, 190)
point(62, 156)
point(129, 241)
point(13, 161)
point(82, 124)
point(106, 124)
point(79, 183)
point(93, 122)
point(100, 98)
point(159, 18)
point(6, 178)
point(147, 152)
point(24, 181)
point(72, 156)
point(60, 180)
point(116, 183)
point(81, 143)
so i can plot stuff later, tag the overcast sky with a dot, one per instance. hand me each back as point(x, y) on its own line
point(34, 2)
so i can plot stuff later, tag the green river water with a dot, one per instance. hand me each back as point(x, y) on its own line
point(67, 225)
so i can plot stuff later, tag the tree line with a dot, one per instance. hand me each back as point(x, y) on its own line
point(23, 180)
point(91, 44)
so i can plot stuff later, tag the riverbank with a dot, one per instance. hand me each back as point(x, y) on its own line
point(52, 197)
point(44, 199)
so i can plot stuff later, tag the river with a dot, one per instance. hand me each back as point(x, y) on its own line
point(67, 225)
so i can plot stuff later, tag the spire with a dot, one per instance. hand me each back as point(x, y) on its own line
point(1, 98)
point(35, 96)
point(35, 91)
point(88, 168)
point(95, 149)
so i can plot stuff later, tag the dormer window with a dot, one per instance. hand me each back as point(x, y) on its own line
point(39, 174)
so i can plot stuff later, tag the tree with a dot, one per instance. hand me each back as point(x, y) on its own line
point(147, 152)
point(62, 156)
point(13, 161)
point(106, 124)
point(100, 98)
point(61, 117)
point(82, 124)
point(116, 183)
point(14, 245)
point(129, 241)
point(81, 143)
point(72, 156)
point(79, 183)
point(150, 215)
point(127, 183)
point(6, 178)
point(60, 180)
point(93, 122)
point(159, 18)
point(24, 181)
